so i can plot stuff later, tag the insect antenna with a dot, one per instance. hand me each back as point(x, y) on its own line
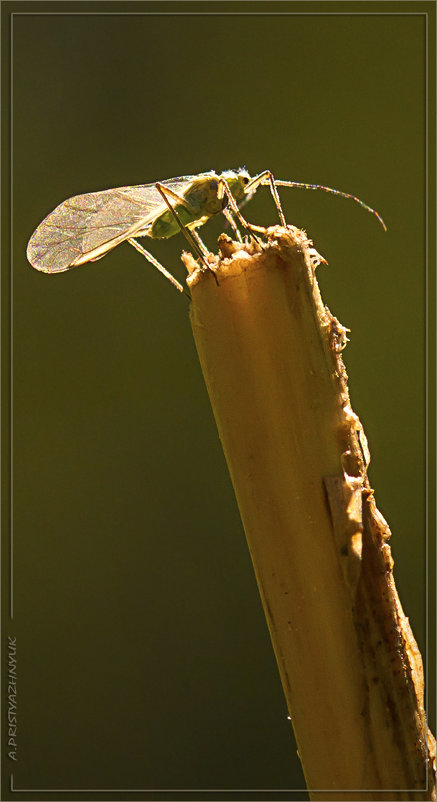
point(301, 185)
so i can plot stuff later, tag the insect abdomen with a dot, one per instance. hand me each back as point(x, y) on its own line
point(166, 226)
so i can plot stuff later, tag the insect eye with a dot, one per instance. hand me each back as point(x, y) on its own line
point(245, 179)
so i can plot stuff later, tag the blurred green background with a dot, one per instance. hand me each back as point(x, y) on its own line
point(143, 654)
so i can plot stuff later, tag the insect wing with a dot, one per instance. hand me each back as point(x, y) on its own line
point(86, 227)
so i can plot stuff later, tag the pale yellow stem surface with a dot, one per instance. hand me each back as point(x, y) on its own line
point(350, 668)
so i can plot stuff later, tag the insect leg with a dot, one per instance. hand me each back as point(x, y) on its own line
point(235, 209)
point(164, 192)
point(264, 178)
point(231, 222)
point(199, 241)
point(173, 195)
point(156, 264)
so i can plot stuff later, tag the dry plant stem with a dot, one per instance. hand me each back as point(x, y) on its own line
point(350, 668)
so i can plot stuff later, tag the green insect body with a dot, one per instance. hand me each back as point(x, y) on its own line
point(202, 201)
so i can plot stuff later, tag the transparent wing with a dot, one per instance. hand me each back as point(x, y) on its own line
point(85, 227)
